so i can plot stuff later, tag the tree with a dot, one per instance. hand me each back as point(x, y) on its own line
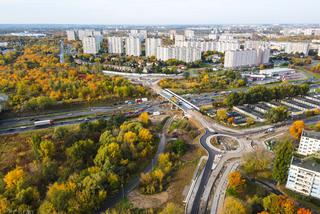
point(222, 114)
point(13, 177)
point(296, 129)
point(81, 152)
point(235, 182)
point(250, 121)
point(47, 149)
point(303, 211)
point(179, 147)
point(145, 135)
point(256, 163)
point(234, 206)
point(172, 208)
point(275, 204)
point(282, 160)
point(277, 114)
point(144, 118)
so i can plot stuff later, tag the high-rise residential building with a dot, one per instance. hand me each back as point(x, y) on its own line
point(151, 46)
point(185, 54)
point(115, 45)
point(91, 44)
point(249, 44)
point(304, 177)
point(133, 46)
point(141, 34)
point(203, 46)
point(213, 36)
point(297, 47)
point(227, 46)
point(179, 38)
point(71, 35)
point(172, 34)
point(243, 58)
point(309, 143)
point(189, 34)
point(85, 33)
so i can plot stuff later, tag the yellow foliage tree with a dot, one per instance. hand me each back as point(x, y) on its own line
point(144, 118)
point(296, 129)
point(234, 206)
point(172, 208)
point(222, 114)
point(13, 177)
point(145, 134)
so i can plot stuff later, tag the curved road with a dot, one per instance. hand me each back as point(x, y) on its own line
point(206, 172)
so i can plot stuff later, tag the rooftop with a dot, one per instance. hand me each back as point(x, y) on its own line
point(311, 134)
point(306, 163)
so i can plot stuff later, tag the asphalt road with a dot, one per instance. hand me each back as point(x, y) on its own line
point(17, 125)
point(206, 172)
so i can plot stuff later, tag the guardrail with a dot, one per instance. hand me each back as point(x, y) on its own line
point(184, 100)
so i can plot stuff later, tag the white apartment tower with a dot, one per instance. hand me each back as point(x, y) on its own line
point(115, 45)
point(185, 54)
point(223, 46)
point(297, 47)
point(250, 57)
point(189, 34)
point(309, 143)
point(133, 46)
point(71, 35)
point(151, 46)
point(91, 44)
point(304, 177)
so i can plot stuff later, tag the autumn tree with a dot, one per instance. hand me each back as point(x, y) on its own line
point(234, 206)
point(172, 208)
point(257, 163)
point(296, 129)
point(14, 177)
point(235, 183)
point(303, 211)
point(222, 115)
point(144, 118)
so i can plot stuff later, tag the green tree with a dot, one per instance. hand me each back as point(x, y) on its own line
point(277, 114)
point(282, 160)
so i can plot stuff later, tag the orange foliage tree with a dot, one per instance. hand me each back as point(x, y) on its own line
point(296, 129)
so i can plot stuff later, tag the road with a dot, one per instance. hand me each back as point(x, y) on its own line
point(134, 183)
point(220, 190)
point(61, 118)
point(206, 172)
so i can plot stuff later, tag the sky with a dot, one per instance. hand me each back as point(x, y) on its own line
point(160, 12)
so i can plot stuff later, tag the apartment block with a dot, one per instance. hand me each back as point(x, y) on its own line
point(133, 46)
point(115, 45)
point(151, 46)
point(91, 44)
point(304, 177)
point(309, 143)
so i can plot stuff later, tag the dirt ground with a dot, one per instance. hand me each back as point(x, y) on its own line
point(148, 201)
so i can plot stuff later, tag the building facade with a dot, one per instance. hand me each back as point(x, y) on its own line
point(304, 177)
point(133, 46)
point(309, 143)
point(115, 45)
point(151, 46)
point(243, 58)
point(71, 35)
point(91, 44)
point(185, 54)
point(297, 47)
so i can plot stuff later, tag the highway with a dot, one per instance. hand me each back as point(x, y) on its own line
point(61, 118)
